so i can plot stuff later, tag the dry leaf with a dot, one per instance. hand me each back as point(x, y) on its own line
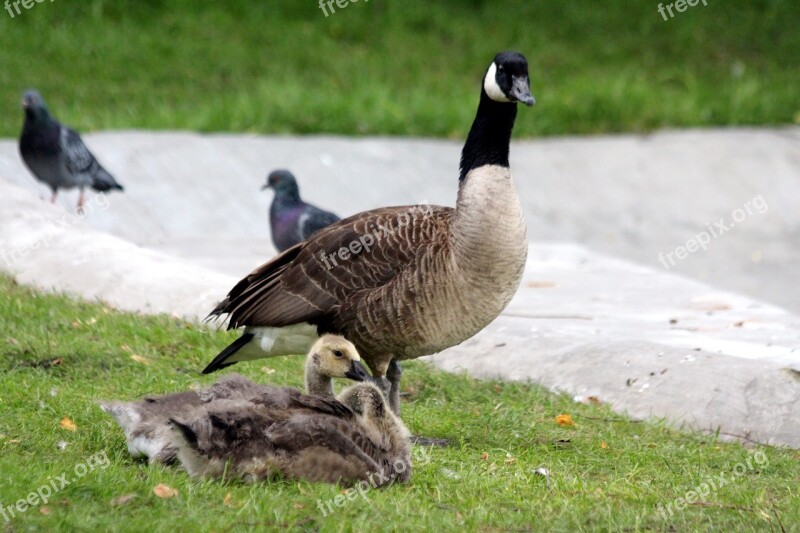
point(164, 491)
point(68, 424)
point(594, 400)
point(122, 500)
point(45, 510)
point(125, 348)
point(485, 456)
point(298, 505)
point(603, 445)
point(228, 500)
point(564, 420)
point(140, 359)
point(267, 370)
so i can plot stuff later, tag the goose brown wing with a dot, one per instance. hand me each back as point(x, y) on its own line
point(336, 266)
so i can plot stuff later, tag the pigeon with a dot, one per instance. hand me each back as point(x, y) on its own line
point(56, 155)
point(291, 219)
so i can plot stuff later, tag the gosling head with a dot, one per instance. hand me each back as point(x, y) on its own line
point(368, 403)
point(506, 79)
point(332, 356)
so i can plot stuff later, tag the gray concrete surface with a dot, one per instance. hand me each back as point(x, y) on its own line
point(627, 196)
point(647, 341)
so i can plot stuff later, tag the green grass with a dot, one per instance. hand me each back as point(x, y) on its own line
point(607, 472)
point(408, 67)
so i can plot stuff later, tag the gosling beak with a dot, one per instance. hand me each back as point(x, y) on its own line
point(357, 372)
point(521, 90)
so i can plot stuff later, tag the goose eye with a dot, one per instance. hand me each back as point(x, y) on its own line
point(338, 353)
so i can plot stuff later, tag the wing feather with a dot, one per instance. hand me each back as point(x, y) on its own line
point(322, 275)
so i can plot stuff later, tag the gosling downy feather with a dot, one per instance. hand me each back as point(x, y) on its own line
point(425, 277)
point(315, 439)
point(146, 422)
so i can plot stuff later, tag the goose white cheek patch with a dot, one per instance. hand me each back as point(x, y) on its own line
point(490, 85)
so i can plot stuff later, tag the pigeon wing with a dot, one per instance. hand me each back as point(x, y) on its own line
point(313, 220)
point(78, 160)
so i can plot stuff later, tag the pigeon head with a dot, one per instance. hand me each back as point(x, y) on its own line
point(506, 79)
point(34, 105)
point(283, 183)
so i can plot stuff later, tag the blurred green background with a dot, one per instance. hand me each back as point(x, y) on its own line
point(399, 67)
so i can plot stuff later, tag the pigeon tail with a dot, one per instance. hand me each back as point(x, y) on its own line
point(102, 181)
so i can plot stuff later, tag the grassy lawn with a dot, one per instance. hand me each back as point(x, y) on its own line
point(606, 472)
point(406, 67)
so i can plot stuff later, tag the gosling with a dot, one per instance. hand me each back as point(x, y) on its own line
point(353, 439)
point(146, 422)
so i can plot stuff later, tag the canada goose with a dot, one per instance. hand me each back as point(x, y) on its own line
point(291, 219)
point(56, 155)
point(146, 422)
point(400, 282)
point(355, 438)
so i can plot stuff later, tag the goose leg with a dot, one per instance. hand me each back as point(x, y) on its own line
point(385, 386)
point(393, 375)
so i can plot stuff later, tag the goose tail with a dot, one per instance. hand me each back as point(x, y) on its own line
point(226, 356)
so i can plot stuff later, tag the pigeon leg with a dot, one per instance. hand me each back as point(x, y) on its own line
point(53, 196)
point(80, 203)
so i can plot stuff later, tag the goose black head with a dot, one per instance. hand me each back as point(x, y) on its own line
point(506, 79)
point(281, 181)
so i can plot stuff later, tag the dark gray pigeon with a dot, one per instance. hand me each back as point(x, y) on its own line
point(291, 219)
point(56, 155)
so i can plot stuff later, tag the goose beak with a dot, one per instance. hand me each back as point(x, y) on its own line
point(357, 372)
point(521, 90)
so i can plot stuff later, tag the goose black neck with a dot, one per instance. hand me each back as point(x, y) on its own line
point(489, 138)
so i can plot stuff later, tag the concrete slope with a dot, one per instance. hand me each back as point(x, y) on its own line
point(629, 196)
point(42, 246)
point(647, 343)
